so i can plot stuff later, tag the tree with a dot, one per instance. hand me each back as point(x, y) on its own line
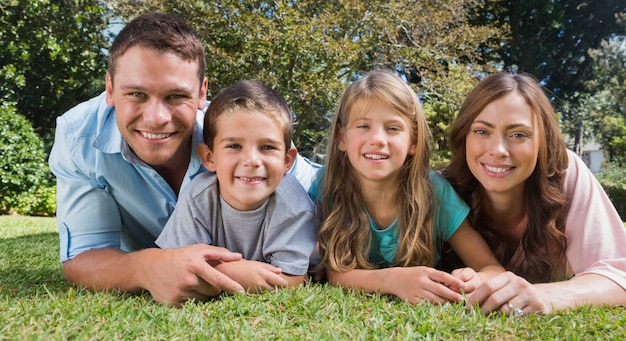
point(52, 51)
point(310, 50)
point(599, 113)
point(551, 39)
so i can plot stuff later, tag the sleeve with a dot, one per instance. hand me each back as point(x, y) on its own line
point(188, 224)
point(87, 215)
point(596, 235)
point(289, 242)
point(450, 209)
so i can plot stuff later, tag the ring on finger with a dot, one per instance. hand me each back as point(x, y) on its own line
point(517, 312)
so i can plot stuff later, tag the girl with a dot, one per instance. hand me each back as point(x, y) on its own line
point(536, 203)
point(384, 212)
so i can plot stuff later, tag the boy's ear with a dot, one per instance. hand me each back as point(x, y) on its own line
point(290, 158)
point(206, 156)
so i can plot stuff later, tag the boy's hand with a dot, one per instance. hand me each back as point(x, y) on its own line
point(254, 276)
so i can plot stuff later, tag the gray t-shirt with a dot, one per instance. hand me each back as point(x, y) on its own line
point(282, 232)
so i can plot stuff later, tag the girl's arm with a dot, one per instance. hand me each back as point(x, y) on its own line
point(470, 246)
point(412, 284)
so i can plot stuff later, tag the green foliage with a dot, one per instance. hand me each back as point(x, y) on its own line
point(599, 113)
point(25, 178)
point(611, 177)
point(552, 39)
point(52, 57)
point(37, 303)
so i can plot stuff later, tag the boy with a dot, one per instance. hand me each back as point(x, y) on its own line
point(249, 205)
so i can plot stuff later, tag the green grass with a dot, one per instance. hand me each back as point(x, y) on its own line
point(37, 303)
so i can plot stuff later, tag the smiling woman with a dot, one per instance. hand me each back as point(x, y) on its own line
point(538, 206)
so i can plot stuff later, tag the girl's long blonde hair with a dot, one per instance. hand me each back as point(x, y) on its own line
point(344, 237)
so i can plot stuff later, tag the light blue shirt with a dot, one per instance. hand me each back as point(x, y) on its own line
point(106, 196)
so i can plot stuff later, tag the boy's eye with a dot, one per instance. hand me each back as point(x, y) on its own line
point(268, 147)
point(233, 146)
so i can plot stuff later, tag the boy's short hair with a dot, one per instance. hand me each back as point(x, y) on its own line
point(248, 95)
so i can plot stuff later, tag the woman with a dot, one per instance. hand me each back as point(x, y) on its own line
point(537, 205)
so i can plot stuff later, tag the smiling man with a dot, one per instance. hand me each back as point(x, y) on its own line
point(121, 160)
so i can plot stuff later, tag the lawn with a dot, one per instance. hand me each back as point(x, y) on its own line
point(37, 303)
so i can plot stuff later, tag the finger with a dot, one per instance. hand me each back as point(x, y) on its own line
point(445, 279)
point(491, 295)
point(218, 280)
point(215, 253)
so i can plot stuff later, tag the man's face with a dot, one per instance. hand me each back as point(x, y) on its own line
point(156, 98)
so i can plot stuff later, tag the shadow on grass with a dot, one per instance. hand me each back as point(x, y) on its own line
point(29, 265)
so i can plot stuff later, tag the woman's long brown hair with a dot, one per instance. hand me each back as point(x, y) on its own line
point(544, 242)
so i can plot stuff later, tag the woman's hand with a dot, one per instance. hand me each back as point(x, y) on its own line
point(510, 294)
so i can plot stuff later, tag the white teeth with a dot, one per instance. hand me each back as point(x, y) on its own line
point(250, 179)
point(497, 169)
point(155, 136)
point(376, 156)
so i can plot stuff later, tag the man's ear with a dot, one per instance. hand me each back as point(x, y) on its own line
point(202, 96)
point(206, 156)
point(109, 89)
point(290, 158)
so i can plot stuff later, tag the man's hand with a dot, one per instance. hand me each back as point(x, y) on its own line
point(174, 276)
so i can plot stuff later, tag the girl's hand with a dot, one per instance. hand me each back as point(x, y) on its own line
point(422, 283)
point(470, 279)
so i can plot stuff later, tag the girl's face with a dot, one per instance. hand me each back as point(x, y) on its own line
point(502, 145)
point(377, 140)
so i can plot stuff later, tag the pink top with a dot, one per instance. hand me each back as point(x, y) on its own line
point(596, 237)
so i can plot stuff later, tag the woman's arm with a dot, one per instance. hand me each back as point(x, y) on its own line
point(508, 291)
point(411, 284)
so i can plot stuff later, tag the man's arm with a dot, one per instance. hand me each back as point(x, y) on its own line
point(172, 276)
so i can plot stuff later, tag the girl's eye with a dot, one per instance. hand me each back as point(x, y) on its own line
point(519, 135)
point(394, 128)
point(480, 131)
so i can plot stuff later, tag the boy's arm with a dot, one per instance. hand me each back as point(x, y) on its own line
point(256, 276)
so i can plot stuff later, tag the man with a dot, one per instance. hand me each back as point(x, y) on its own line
point(122, 158)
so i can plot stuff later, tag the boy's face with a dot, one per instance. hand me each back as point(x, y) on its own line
point(156, 98)
point(249, 158)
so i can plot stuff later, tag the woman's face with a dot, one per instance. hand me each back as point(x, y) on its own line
point(502, 145)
